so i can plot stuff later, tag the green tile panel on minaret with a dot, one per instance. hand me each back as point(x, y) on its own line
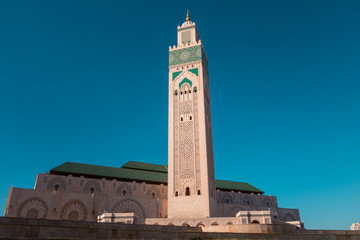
point(185, 80)
point(185, 55)
point(194, 71)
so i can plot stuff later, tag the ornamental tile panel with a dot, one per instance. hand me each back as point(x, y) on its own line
point(175, 74)
point(185, 55)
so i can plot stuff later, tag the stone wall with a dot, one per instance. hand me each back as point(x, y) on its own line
point(81, 198)
point(15, 228)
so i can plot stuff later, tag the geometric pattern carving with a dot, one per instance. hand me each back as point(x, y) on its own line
point(56, 181)
point(186, 150)
point(186, 144)
point(92, 187)
point(186, 107)
point(209, 142)
point(153, 192)
point(124, 190)
point(129, 206)
point(197, 143)
point(176, 144)
point(33, 208)
point(185, 55)
point(74, 211)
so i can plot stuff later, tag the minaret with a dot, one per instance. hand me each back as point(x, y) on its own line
point(191, 178)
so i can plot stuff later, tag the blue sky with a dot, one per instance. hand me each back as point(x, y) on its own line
point(86, 81)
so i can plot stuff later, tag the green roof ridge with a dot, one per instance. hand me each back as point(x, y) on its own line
point(240, 186)
point(145, 166)
point(110, 172)
point(142, 172)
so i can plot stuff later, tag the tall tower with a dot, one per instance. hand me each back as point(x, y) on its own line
point(191, 178)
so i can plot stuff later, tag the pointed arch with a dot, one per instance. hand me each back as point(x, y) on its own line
point(153, 192)
point(185, 80)
point(124, 190)
point(188, 75)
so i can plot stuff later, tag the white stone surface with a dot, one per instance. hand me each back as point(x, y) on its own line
point(191, 181)
point(355, 226)
point(124, 218)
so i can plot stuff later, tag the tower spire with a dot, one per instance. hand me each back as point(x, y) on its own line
point(188, 16)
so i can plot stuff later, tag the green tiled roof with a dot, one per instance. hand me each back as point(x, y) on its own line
point(109, 172)
point(146, 166)
point(138, 171)
point(236, 186)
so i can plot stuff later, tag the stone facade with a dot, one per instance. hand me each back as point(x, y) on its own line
point(83, 199)
point(191, 191)
point(188, 196)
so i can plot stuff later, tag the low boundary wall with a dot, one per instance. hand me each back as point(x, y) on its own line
point(24, 228)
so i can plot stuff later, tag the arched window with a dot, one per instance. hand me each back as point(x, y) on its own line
point(92, 190)
point(190, 117)
point(56, 187)
point(176, 92)
point(195, 89)
point(187, 191)
point(181, 119)
point(198, 192)
point(153, 195)
point(176, 194)
point(124, 192)
point(185, 89)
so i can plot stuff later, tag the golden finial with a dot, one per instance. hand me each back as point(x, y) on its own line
point(187, 16)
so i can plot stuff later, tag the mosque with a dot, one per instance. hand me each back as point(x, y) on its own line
point(182, 193)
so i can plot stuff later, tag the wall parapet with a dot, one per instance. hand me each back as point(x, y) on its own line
point(27, 228)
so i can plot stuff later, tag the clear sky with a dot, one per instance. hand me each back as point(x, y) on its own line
point(86, 81)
